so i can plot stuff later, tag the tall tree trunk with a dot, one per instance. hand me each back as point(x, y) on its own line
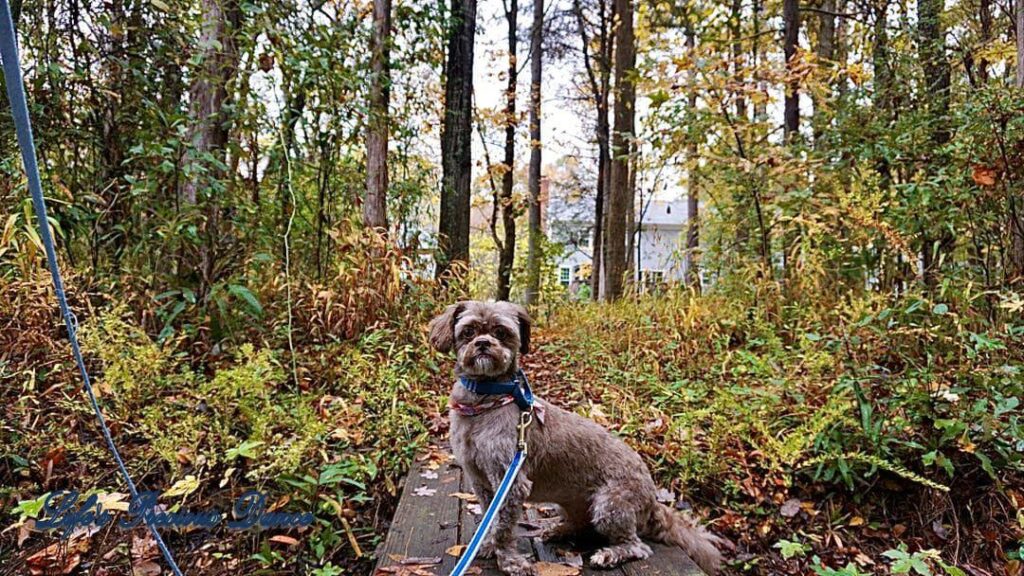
point(211, 119)
point(632, 262)
point(211, 122)
point(1016, 208)
point(985, 36)
point(619, 194)
point(1020, 43)
point(932, 52)
point(456, 133)
point(841, 49)
point(736, 46)
point(375, 207)
point(791, 21)
point(692, 191)
point(883, 79)
point(598, 67)
point(826, 52)
point(536, 67)
point(507, 248)
point(761, 104)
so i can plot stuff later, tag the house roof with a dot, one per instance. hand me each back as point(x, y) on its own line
point(665, 213)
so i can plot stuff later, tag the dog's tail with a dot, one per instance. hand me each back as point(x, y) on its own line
point(680, 529)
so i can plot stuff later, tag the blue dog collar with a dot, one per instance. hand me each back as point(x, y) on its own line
point(518, 387)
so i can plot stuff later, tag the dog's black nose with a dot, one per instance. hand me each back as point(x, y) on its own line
point(483, 344)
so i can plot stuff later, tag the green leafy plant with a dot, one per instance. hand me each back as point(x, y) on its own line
point(792, 548)
point(921, 562)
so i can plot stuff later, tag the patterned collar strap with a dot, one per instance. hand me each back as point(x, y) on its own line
point(482, 407)
point(488, 405)
point(518, 388)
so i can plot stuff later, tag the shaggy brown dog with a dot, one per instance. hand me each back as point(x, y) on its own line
point(593, 476)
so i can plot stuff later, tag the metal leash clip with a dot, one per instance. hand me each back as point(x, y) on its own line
point(525, 419)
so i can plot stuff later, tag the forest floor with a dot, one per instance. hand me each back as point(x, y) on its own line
point(731, 419)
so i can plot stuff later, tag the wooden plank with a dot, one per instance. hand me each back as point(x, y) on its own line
point(425, 526)
point(667, 561)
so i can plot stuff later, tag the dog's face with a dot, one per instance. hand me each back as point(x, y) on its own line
point(488, 337)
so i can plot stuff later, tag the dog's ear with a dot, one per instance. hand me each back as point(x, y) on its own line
point(524, 328)
point(442, 328)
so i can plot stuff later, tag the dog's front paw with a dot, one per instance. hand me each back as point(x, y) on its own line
point(515, 565)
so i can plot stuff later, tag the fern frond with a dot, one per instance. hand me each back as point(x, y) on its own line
point(877, 462)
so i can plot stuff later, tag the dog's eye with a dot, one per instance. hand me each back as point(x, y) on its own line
point(502, 333)
point(468, 332)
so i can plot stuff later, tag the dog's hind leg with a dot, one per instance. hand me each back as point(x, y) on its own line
point(614, 515)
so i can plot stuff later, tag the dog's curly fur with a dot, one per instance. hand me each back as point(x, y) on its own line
point(597, 481)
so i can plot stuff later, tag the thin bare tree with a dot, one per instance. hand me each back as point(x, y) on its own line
point(375, 207)
point(507, 246)
point(533, 255)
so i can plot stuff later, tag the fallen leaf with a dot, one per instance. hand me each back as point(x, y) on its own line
point(456, 550)
point(25, 530)
point(856, 521)
point(553, 569)
point(227, 477)
point(183, 487)
point(113, 501)
point(58, 558)
point(983, 175)
point(282, 539)
point(665, 496)
point(790, 508)
point(863, 559)
point(464, 496)
point(144, 548)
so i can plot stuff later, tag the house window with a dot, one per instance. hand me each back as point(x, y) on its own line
point(564, 275)
point(651, 279)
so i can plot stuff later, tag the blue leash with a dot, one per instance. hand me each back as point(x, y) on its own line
point(524, 395)
point(23, 127)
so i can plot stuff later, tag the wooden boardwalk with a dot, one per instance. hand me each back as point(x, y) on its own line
point(436, 515)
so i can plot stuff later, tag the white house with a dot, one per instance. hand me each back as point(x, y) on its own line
point(659, 241)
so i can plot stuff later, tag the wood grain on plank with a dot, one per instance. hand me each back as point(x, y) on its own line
point(425, 526)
